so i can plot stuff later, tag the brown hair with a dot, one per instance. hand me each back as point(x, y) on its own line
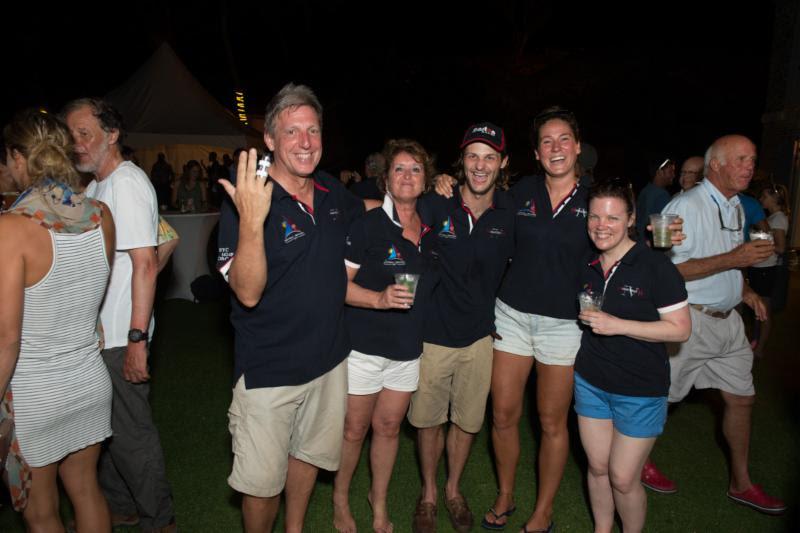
point(46, 144)
point(414, 149)
point(617, 187)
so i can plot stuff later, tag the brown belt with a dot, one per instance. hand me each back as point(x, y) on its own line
point(711, 312)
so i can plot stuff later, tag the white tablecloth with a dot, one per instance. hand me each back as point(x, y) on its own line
point(189, 260)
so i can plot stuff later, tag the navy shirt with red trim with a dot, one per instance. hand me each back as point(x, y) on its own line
point(296, 331)
point(642, 283)
point(472, 255)
point(549, 240)
point(376, 247)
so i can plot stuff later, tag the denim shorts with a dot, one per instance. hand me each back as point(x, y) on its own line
point(635, 416)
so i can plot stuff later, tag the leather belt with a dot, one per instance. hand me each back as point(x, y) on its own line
point(711, 312)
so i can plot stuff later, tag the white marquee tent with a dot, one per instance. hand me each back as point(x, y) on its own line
point(167, 110)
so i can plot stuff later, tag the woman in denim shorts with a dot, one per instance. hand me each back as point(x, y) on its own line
point(622, 369)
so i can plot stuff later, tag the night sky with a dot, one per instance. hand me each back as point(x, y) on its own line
point(667, 82)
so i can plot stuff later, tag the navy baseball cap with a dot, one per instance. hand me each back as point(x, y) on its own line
point(486, 133)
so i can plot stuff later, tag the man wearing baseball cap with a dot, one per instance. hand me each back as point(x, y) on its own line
point(473, 242)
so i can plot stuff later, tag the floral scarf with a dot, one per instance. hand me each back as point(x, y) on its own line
point(58, 208)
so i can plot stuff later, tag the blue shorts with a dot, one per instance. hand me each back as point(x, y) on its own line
point(635, 416)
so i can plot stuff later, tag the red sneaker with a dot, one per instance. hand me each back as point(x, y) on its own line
point(759, 500)
point(653, 479)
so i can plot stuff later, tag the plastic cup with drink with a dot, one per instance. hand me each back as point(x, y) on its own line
point(409, 281)
point(662, 235)
point(590, 300)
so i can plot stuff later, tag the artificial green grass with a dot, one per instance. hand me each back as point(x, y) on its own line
point(192, 360)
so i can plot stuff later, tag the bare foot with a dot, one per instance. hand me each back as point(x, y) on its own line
point(343, 520)
point(380, 516)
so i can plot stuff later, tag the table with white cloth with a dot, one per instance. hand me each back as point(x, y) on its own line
point(189, 261)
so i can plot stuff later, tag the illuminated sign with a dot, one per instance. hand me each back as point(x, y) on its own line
point(240, 108)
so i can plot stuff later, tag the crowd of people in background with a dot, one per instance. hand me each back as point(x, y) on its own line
point(360, 301)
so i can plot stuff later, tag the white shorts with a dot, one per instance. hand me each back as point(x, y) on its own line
point(552, 341)
point(368, 374)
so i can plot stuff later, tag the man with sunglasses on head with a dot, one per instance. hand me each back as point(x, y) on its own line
point(654, 196)
point(718, 355)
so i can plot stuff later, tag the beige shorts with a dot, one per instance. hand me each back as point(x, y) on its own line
point(458, 378)
point(716, 356)
point(551, 341)
point(269, 424)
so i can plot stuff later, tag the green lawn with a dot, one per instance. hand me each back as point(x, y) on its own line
point(191, 391)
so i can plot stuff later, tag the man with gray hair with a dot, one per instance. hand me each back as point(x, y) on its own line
point(718, 355)
point(132, 471)
point(281, 247)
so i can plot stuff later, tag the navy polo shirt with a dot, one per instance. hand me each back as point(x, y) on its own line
point(549, 240)
point(642, 283)
point(472, 255)
point(296, 331)
point(376, 247)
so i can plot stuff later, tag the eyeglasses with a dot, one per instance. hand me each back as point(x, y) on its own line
point(722, 225)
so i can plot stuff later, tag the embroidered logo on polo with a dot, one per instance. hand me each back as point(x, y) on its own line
point(578, 212)
point(290, 231)
point(334, 213)
point(496, 232)
point(528, 210)
point(630, 291)
point(448, 230)
point(394, 258)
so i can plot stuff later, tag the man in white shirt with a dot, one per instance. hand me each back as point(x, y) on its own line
point(132, 472)
point(718, 355)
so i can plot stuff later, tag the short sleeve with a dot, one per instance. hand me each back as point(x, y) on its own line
point(356, 244)
point(669, 289)
point(779, 221)
point(685, 251)
point(135, 214)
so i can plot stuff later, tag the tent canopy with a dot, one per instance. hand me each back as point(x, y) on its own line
point(167, 110)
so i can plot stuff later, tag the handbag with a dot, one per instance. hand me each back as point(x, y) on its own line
point(16, 471)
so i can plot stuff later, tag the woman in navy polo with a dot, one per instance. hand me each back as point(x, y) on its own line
point(385, 324)
point(622, 369)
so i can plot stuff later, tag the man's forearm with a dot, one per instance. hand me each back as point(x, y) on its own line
point(143, 289)
point(708, 266)
point(248, 273)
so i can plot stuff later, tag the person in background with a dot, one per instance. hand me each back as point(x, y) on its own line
point(762, 276)
point(654, 196)
point(162, 176)
point(717, 354)
point(691, 173)
point(189, 193)
point(57, 247)
point(132, 469)
point(622, 369)
point(366, 187)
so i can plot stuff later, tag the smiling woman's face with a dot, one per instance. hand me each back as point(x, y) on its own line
point(557, 149)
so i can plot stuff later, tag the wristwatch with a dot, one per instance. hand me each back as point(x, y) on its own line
point(137, 335)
